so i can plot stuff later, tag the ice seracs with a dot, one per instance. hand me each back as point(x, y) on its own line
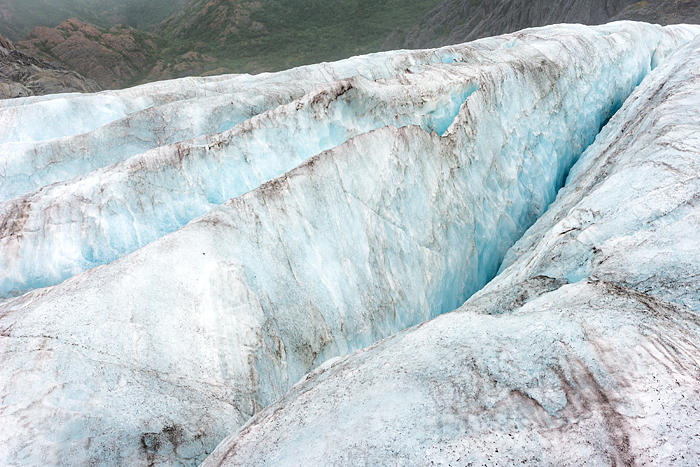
point(384, 223)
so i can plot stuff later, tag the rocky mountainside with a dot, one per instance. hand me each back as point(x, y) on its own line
point(456, 21)
point(224, 36)
point(19, 17)
point(117, 57)
point(270, 35)
point(23, 75)
point(662, 12)
point(112, 57)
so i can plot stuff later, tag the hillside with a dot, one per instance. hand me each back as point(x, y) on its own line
point(209, 37)
point(19, 17)
point(223, 36)
point(457, 21)
point(112, 57)
point(23, 75)
point(270, 35)
point(662, 12)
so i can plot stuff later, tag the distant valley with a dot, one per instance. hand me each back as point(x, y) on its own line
point(212, 37)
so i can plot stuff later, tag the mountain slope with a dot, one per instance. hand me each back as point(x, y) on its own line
point(456, 21)
point(267, 35)
point(23, 75)
point(114, 57)
point(18, 17)
point(662, 12)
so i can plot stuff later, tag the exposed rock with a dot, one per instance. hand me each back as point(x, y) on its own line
point(22, 75)
point(114, 57)
point(6, 44)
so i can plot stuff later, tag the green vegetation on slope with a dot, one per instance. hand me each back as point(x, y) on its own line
point(268, 35)
point(206, 37)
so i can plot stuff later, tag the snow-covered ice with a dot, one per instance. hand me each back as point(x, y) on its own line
point(383, 224)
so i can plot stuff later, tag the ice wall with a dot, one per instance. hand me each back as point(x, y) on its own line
point(532, 370)
point(154, 358)
point(48, 139)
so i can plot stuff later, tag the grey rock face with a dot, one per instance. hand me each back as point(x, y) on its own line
point(22, 75)
point(662, 12)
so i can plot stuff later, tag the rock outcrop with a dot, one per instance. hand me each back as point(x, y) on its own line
point(114, 58)
point(23, 75)
point(662, 12)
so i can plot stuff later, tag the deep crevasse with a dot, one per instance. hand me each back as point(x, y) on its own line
point(386, 230)
point(56, 231)
point(532, 369)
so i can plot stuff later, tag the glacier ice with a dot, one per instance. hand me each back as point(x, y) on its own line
point(105, 214)
point(153, 358)
point(48, 139)
point(585, 350)
point(55, 231)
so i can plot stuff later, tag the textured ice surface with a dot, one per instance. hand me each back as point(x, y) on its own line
point(629, 215)
point(532, 370)
point(154, 358)
point(549, 114)
point(58, 231)
point(48, 139)
point(68, 135)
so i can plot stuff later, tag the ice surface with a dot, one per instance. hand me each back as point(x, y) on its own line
point(54, 232)
point(47, 139)
point(154, 358)
point(70, 227)
point(640, 222)
point(532, 370)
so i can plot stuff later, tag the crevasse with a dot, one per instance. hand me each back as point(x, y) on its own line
point(531, 368)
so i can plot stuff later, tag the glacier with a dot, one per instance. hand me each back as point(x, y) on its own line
point(585, 349)
point(121, 201)
point(192, 277)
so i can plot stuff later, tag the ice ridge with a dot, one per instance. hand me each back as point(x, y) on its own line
point(56, 231)
point(123, 207)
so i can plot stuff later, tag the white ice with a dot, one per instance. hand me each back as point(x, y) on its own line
point(54, 232)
